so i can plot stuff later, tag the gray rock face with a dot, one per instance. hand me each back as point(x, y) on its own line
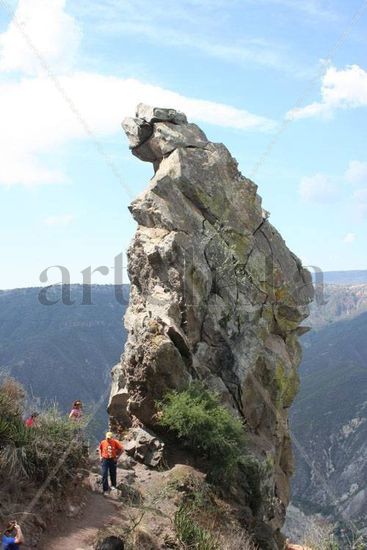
point(215, 295)
point(153, 146)
point(145, 447)
point(155, 114)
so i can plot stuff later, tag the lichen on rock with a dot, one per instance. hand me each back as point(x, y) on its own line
point(216, 295)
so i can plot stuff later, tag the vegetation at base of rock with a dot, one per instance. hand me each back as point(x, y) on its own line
point(190, 533)
point(196, 416)
point(199, 521)
point(32, 454)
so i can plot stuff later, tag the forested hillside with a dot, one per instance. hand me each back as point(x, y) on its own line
point(337, 302)
point(329, 415)
point(62, 352)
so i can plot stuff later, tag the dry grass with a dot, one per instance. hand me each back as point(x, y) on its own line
point(12, 395)
point(319, 536)
point(238, 541)
point(30, 456)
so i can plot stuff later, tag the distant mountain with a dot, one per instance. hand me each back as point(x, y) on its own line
point(62, 352)
point(329, 418)
point(355, 277)
point(337, 302)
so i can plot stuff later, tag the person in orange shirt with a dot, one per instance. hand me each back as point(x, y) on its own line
point(109, 451)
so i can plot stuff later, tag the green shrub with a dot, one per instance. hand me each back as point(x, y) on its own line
point(56, 446)
point(197, 417)
point(189, 533)
point(53, 449)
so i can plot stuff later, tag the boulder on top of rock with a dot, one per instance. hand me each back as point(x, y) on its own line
point(166, 137)
point(156, 132)
point(159, 114)
point(137, 131)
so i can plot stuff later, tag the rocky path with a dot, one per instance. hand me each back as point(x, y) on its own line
point(78, 533)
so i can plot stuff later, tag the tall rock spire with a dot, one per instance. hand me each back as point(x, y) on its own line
point(215, 295)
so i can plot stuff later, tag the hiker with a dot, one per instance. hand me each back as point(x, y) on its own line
point(109, 451)
point(12, 537)
point(111, 543)
point(31, 422)
point(76, 412)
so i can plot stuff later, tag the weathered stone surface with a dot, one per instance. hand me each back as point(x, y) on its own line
point(137, 131)
point(166, 137)
point(126, 462)
point(130, 447)
point(144, 447)
point(157, 114)
point(215, 295)
point(117, 406)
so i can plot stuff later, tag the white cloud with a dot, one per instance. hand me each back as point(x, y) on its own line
point(20, 166)
point(349, 238)
point(322, 188)
point(340, 89)
point(40, 26)
point(36, 118)
point(357, 172)
point(62, 219)
point(41, 113)
point(318, 189)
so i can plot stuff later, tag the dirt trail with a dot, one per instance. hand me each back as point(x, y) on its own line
point(77, 534)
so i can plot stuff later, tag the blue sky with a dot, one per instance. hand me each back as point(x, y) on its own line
point(283, 83)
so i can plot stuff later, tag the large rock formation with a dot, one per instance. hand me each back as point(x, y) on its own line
point(215, 295)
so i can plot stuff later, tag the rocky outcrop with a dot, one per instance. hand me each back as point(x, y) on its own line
point(145, 447)
point(215, 295)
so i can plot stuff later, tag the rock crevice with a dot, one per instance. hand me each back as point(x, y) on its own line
point(215, 295)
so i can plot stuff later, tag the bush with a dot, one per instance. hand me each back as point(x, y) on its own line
point(319, 535)
point(190, 533)
point(197, 417)
point(12, 396)
point(197, 528)
point(53, 449)
point(12, 429)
